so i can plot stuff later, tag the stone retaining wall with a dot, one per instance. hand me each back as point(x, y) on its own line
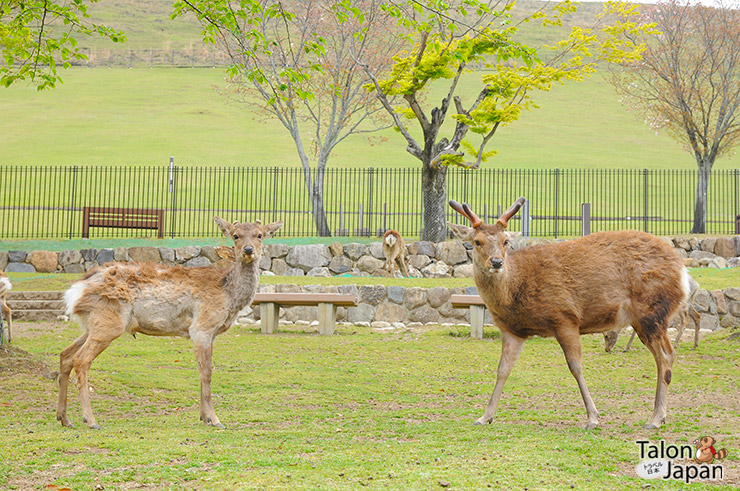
point(398, 306)
point(445, 259)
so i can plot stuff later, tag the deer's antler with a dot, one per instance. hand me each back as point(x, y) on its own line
point(465, 211)
point(506, 216)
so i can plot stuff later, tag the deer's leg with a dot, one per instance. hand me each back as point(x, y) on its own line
point(629, 343)
point(84, 358)
point(7, 314)
point(570, 342)
point(654, 336)
point(204, 354)
point(697, 324)
point(66, 361)
point(402, 265)
point(511, 346)
point(682, 325)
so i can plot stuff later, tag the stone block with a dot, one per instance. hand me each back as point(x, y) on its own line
point(707, 244)
point(463, 271)
point(65, 258)
point(437, 296)
point(212, 255)
point(302, 313)
point(354, 251)
point(3, 260)
point(43, 261)
point(719, 300)
point(369, 264)
point(725, 247)
point(120, 254)
point(414, 297)
point(183, 254)
point(372, 294)
point(322, 272)
point(361, 313)
point(702, 301)
point(197, 262)
point(340, 264)
point(336, 249)
point(451, 252)
point(105, 256)
point(307, 257)
point(74, 268)
point(419, 261)
point(390, 312)
point(376, 250)
point(436, 270)
point(17, 256)
point(19, 268)
point(89, 255)
point(732, 293)
point(144, 254)
point(294, 272)
point(265, 262)
point(279, 266)
point(423, 247)
point(277, 250)
point(395, 294)
point(709, 322)
point(424, 314)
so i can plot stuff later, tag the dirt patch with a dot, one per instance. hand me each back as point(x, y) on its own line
point(30, 330)
point(14, 361)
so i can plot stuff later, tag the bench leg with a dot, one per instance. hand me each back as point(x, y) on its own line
point(477, 314)
point(269, 313)
point(327, 318)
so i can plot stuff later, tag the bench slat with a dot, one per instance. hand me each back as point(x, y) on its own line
point(462, 301)
point(288, 299)
point(133, 218)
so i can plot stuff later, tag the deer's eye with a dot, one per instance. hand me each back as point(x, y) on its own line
point(259, 236)
point(506, 243)
point(236, 237)
point(477, 243)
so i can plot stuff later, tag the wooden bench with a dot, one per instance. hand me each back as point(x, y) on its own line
point(143, 218)
point(477, 312)
point(270, 304)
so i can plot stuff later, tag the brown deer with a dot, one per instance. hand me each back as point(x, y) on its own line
point(7, 314)
point(395, 252)
point(587, 285)
point(147, 298)
point(611, 337)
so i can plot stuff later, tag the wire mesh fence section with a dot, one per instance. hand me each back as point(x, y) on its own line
point(49, 202)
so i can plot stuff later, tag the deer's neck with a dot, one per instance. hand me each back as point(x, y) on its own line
point(241, 283)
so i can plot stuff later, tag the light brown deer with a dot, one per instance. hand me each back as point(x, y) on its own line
point(147, 298)
point(7, 314)
point(395, 253)
point(587, 285)
point(611, 337)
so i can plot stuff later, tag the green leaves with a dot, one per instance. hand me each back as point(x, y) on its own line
point(33, 44)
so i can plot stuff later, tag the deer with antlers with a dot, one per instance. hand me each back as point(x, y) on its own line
point(5, 312)
point(394, 249)
point(592, 284)
point(147, 298)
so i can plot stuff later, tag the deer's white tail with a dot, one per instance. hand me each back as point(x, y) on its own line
point(72, 296)
point(390, 239)
point(686, 282)
point(5, 285)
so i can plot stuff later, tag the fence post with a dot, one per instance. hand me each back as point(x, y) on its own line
point(174, 194)
point(557, 196)
point(525, 219)
point(585, 218)
point(645, 200)
point(72, 203)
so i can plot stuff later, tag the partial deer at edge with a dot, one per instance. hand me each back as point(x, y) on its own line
point(394, 248)
point(592, 284)
point(147, 298)
point(611, 337)
point(6, 318)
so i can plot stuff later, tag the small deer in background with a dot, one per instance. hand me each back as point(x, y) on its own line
point(395, 252)
point(611, 337)
point(587, 285)
point(5, 312)
point(195, 303)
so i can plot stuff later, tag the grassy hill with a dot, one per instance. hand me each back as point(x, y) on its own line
point(142, 116)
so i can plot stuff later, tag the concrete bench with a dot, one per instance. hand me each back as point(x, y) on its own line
point(270, 304)
point(477, 312)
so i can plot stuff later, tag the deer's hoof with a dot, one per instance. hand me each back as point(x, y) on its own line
point(96, 427)
point(650, 426)
point(481, 421)
point(218, 425)
point(591, 426)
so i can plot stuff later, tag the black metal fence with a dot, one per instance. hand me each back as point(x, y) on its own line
point(50, 202)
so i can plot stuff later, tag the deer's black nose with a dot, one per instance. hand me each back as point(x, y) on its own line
point(496, 263)
point(248, 250)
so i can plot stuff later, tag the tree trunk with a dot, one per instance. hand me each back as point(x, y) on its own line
point(434, 191)
point(700, 205)
point(317, 203)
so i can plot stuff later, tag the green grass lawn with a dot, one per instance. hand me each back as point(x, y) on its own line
point(708, 278)
point(357, 409)
point(143, 116)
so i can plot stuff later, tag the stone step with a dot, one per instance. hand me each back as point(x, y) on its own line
point(36, 315)
point(17, 305)
point(20, 295)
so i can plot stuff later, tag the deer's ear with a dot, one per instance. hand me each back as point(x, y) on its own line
point(271, 228)
point(225, 226)
point(463, 232)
